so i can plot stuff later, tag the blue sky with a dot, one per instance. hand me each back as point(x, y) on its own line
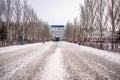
point(56, 11)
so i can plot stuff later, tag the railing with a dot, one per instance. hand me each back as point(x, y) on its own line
point(16, 42)
point(104, 45)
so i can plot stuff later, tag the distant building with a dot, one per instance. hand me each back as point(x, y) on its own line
point(57, 32)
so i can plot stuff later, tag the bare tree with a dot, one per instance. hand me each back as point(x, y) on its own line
point(118, 14)
point(25, 19)
point(76, 30)
point(101, 19)
point(69, 31)
point(17, 17)
point(88, 20)
point(113, 11)
point(8, 15)
point(45, 31)
point(2, 9)
point(83, 22)
point(21, 21)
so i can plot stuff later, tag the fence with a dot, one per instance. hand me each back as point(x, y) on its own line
point(105, 45)
point(15, 42)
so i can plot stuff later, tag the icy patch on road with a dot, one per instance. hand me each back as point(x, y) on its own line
point(55, 69)
point(114, 57)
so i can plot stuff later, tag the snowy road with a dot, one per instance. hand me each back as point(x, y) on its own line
point(58, 61)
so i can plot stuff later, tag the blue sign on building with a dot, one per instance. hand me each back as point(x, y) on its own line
point(57, 26)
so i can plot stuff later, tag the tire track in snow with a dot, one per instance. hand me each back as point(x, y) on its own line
point(54, 69)
point(28, 65)
point(7, 59)
point(77, 69)
point(103, 67)
point(84, 66)
point(35, 66)
point(12, 61)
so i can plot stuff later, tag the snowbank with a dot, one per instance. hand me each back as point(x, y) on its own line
point(114, 57)
point(18, 47)
point(54, 69)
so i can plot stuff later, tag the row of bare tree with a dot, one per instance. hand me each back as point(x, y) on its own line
point(21, 21)
point(96, 15)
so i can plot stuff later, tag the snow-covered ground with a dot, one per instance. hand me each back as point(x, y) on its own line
point(15, 47)
point(115, 57)
point(58, 61)
point(112, 56)
point(18, 47)
point(55, 70)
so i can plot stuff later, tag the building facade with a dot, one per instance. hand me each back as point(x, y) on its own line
point(57, 32)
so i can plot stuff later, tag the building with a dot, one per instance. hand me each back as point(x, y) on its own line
point(57, 32)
